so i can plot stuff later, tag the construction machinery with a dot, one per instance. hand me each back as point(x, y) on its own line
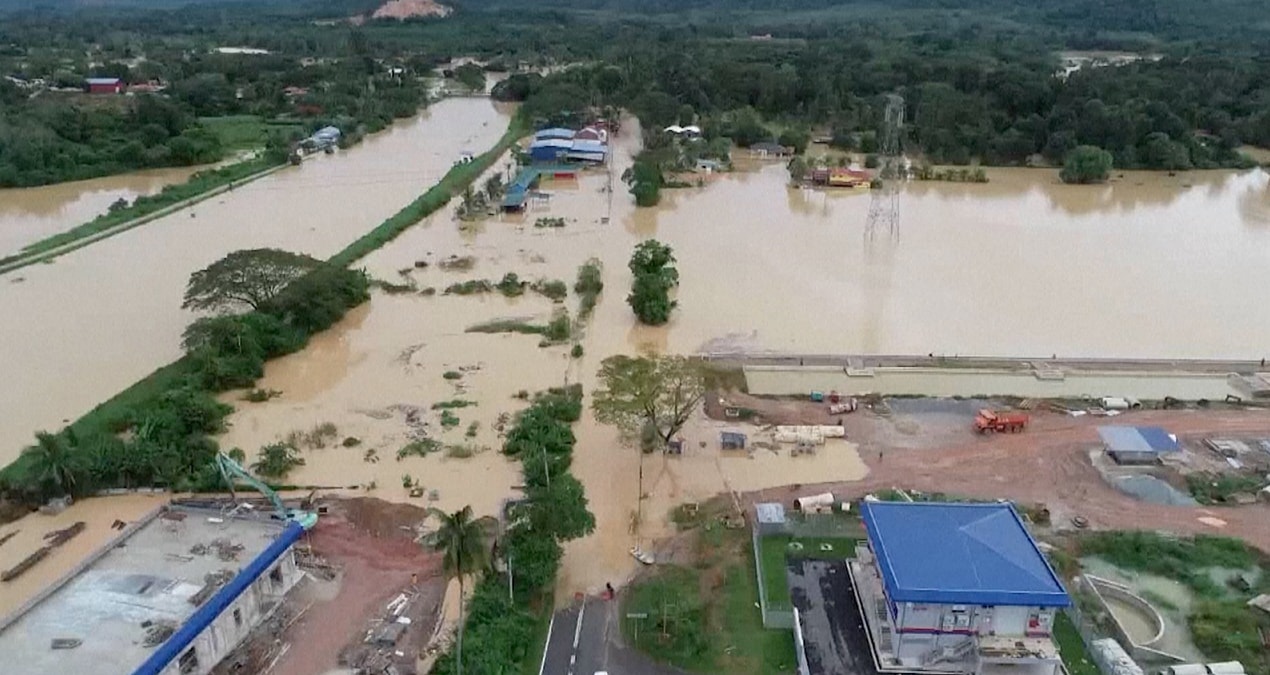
point(231, 471)
point(1002, 421)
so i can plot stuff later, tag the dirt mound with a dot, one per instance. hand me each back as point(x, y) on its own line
point(380, 518)
point(404, 9)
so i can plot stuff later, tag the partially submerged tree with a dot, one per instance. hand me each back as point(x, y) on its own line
point(653, 266)
point(251, 277)
point(1086, 164)
point(660, 392)
point(461, 539)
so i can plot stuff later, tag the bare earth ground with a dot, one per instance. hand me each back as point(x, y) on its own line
point(1048, 463)
point(404, 9)
point(365, 537)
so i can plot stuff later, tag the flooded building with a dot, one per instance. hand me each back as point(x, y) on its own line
point(104, 85)
point(558, 144)
point(958, 588)
point(172, 595)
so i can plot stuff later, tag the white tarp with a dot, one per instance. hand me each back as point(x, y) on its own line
point(814, 434)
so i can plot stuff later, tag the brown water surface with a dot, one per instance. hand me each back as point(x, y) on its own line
point(77, 331)
point(28, 215)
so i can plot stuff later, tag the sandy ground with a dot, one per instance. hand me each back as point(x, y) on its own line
point(1049, 463)
point(366, 538)
point(97, 514)
point(404, 9)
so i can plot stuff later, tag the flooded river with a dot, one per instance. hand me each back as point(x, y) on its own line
point(79, 330)
point(1149, 266)
point(28, 215)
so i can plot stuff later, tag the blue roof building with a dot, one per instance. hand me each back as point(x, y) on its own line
point(1137, 445)
point(549, 149)
point(956, 587)
point(556, 133)
point(960, 554)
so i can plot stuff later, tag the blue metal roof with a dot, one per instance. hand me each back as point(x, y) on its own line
point(959, 554)
point(1137, 439)
point(562, 143)
point(555, 132)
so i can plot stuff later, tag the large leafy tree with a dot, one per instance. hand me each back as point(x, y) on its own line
point(653, 267)
point(248, 278)
point(660, 392)
point(462, 541)
point(1086, 164)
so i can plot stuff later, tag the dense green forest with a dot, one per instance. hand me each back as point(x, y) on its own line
point(983, 80)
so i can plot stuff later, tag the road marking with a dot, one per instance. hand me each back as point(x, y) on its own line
point(542, 665)
point(577, 636)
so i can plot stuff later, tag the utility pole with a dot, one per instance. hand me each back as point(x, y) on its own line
point(884, 209)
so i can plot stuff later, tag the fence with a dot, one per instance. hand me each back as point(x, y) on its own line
point(800, 525)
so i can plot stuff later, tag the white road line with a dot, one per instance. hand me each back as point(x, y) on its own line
point(577, 637)
point(542, 665)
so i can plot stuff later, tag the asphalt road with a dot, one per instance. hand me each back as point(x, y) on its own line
point(586, 639)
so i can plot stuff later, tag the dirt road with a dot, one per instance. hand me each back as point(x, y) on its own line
point(1049, 463)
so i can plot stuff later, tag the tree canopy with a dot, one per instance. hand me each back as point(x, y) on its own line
point(653, 267)
point(661, 391)
point(1086, 164)
point(247, 278)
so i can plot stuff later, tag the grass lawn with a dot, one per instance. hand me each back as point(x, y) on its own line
point(704, 618)
point(1072, 648)
point(776, 550)
point(243, 132)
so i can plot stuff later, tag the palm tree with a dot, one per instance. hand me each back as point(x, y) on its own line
point(462, 540)
point(51, 461)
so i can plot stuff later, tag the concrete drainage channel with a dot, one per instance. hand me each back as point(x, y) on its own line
point(1125, 608)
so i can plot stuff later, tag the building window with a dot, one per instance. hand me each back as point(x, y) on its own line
point(238, 617)
point(188, 662)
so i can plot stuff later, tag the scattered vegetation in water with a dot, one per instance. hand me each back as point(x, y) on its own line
point(576, 352)
point(371, 456)
point(351, 442)
point(463, 450)
point(511, 285)
point(452, 375)
point(418, 448)
point(261, 395)
point(554, 289)
point(276, 460)
point(396, 289)
point(456, 263)
point(558, 330)
point(1183, 560)
point(472, 429)
point(428, 292)
point(449, 420)
point(407, 481)
point(315, 438)
point(523, 395)
point(588, 287)
point(542, 223)
point(469, 287)
point(954, 175)
point(453, 404)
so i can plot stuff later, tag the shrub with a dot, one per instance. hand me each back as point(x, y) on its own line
point(276, 460)
point(418, 448)
point(576, 352)
point(555, 289)
point(452, 375)
point(449, 419)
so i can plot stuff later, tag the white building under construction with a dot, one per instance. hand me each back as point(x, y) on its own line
point(172, 595)
point(957, 588)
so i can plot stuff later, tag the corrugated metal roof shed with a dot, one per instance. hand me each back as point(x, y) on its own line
point(554, 132)
point(974, 554)
point(103, 80)
point(1153, 440)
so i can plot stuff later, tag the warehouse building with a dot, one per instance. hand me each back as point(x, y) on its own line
point(956, 588)
point(172, 595)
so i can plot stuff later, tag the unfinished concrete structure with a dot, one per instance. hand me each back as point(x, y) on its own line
point(956, 588)
point(173, 594)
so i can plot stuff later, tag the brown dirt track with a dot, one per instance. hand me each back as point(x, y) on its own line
point(1049, 463)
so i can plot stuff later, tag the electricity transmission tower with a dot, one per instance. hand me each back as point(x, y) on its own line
point(884, 209)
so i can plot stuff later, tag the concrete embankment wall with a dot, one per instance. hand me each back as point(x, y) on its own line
point(796, 380)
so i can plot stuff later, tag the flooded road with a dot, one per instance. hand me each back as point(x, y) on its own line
point(79, 330)
point(28, 215)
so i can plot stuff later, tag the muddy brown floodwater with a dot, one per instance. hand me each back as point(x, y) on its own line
point(1022, 265)
point(1148, 266)
point(30, 214)
point(79, 330)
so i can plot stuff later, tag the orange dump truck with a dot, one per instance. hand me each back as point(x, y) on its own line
point(989, 420)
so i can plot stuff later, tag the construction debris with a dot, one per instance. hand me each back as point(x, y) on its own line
point(315, 564)
point(212, 581)
point(65, 643)
point(54, 539)
point(157, 632)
